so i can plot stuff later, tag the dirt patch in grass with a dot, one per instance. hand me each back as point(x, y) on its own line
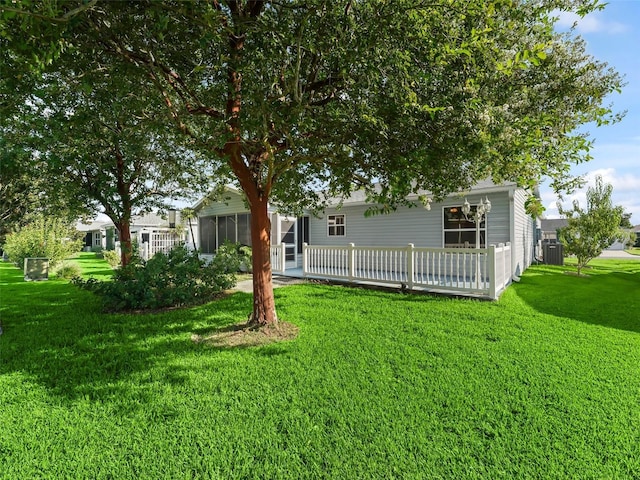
point(575, 274)
point(243, 335)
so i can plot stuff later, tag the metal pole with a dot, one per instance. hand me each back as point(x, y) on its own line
point(477, 249)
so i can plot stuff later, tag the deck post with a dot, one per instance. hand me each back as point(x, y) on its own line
point(283, 257)
point(410, 264)
point(304, 258)
point(352, 261)
point(491, 261)
point(508, 266)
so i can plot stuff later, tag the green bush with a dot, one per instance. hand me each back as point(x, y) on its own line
point(50, 238)
point(180, 278)
point(112, 257)
point(228, 257)
point(68, 270)
point(246, 258)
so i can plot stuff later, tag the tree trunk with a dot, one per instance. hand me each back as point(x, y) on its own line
point(264, 306)
point(126, 250)
point(193, 238)
point(248, 174)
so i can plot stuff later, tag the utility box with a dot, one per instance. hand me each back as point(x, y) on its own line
point(36, 268)
point(553, 253)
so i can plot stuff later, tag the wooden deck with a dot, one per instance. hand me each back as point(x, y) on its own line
point(478, 273)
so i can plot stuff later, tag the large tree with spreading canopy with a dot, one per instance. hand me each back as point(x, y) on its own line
point(293, 97)
point(100, 141)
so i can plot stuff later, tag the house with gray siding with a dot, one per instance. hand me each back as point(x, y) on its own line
point(443, 226)
point(153, 232)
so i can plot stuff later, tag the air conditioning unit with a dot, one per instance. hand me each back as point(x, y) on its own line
point(36, 268)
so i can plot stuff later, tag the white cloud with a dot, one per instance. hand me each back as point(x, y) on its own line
point(592, 23)
point(626, 182)
point(626, 188)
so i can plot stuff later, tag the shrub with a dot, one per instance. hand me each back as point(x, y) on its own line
point(68, 270)
point(246, 258)
point(180, 278)
point(227, 257)
point(112, 257)
point(50, 238)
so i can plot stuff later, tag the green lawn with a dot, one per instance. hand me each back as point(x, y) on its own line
point(544, 383)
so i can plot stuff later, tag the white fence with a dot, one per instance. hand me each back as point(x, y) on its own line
point(485, 271)
point(278, 258)
point(159, 242)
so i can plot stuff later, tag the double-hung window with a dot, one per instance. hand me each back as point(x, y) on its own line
point(460, 232)
point(336, 225)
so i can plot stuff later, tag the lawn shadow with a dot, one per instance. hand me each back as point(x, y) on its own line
point(604, 296)
point(56, 335)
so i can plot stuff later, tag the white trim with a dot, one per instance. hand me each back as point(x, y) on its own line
point(512, 232)
point(484, 229)
point(335, 225)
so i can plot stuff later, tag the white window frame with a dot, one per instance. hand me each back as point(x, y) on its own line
point(333, 224)
point(483, 228)
point(97, 239)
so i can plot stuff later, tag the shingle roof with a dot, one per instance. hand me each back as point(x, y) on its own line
point(488, 186)
point(553, 224)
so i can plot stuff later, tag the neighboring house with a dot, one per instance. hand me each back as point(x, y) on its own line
point(618, 245)
point(550, 227)
point(96, 234)
point(152, 232)
point(155, 233)
point(442, 227)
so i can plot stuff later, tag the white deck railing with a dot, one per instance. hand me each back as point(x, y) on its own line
point(485, 271)
point(278, 258)
point(159, 242)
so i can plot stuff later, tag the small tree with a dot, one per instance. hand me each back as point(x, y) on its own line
point(189, 214)
point(592, 230)
point(629, 238)
point(51, 238)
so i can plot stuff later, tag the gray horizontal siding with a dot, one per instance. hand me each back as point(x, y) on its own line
point(232, 203)
point(524, 231)
point(423, 228)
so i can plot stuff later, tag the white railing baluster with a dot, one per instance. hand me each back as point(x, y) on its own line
point(464, 270)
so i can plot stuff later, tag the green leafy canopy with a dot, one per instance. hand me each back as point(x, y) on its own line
point(346, 94)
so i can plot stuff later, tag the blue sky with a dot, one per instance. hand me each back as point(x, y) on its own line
point(612, 36)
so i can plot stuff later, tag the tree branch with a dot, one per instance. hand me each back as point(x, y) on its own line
point(64, 19)
point(177, 83)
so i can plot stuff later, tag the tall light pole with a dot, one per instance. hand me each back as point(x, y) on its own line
point(477, 217)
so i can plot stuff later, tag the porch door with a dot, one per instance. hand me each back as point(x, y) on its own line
point(288, 236)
